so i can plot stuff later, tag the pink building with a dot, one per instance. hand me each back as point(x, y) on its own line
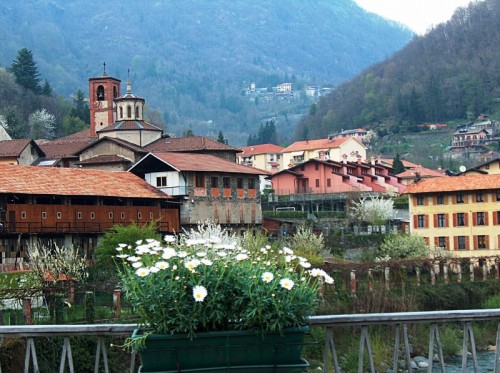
point(325, 176)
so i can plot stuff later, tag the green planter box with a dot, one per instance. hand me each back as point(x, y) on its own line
point(241, 351)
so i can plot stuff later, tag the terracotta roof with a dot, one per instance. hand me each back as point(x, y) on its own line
point(67, 146)
point(406, 164)
point(455, 184)
point(134, 147)
point(126, 125)
point(317, 144)
point(260, 149)
point(422, 171)
point(205, 162)
point(104, 159)
point(74, 182)
point(13, 148)
point(187, 144)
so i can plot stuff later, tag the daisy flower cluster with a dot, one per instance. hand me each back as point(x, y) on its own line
point(191, 283)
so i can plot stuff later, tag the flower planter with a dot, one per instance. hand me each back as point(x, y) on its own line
point(241, 351)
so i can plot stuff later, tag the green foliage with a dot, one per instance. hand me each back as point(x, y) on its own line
point(403, 246)
point(89, 304)
point(266, 134)
point(25, 70)
point(128, 234)
point(206, 282)
point(285, 214)
point(402, 202)
point(15, 124)
point(397, 165)
point(80, 107)
point(72, 124)
point(307, 243)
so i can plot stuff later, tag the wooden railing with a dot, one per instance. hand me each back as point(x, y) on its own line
point(399, 322)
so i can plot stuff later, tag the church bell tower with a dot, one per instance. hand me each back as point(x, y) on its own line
point(102, 92)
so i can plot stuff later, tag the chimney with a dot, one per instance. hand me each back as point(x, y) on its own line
point(372, 160)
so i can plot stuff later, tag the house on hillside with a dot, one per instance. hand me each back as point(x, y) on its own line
point(490, 167)
point(206, 187)
point(458, 213)
point(264, 156)
point(336, 149)
point(416, 174)
point(20, 152)
point(74, 207)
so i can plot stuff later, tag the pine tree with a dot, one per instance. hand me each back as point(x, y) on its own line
point(397, 165)
point(46, 89)
point(25, 70)
point(14, 123)
point(221, 138)
point(80, 108)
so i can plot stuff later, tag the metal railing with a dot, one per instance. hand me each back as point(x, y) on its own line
point(332, 323)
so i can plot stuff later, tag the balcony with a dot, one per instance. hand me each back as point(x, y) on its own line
point(359, 325)
point(174, 191)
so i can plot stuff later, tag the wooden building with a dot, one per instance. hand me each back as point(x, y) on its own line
point(74, 207)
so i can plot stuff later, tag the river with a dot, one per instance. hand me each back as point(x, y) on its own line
point(485, 363)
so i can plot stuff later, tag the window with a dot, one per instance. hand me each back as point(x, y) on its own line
point(79, 215)
point(462, 243)
point(121, 112)
point(442, 242)
point(129, 111)
point(317, 183)
point(328, 183)
point(420, 199)
point(441, 220)
point(440, 199)
point(23, 214)
point(481, 242)
point(115, 92)
point(199, 180)
point(498, 216)
point(110, 216)
point(480, 218)
point(239, 183)
point(421, 221)
point(137, 112)
point(251, 183)
point(151, 216)
point(498, 195)
point(122, 215)
point(226, 182)
point(479, 196)
point(316, 166)
point(460, 197)
point(214, 182)
point(44, 215)
point(92, 215)
point(100, 93)
point(59, 215)
point(161, 181)
point(460, 219)
point(139, 215)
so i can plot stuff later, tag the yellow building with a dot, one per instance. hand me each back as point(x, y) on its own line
point(458, 213)
point(490, 167)
point(263, 156)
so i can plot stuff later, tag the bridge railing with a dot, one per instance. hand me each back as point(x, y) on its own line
point(398, 322)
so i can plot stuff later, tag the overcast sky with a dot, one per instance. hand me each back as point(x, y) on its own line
point(418, 15)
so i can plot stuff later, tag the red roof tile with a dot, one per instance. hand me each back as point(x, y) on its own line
point(67, 146)
point(205, 163)
point(455, 184)
point(74, 182)
point(317, 144)
point(13, 148)
point(187, 144)
point(260, 149)
point(422, 171)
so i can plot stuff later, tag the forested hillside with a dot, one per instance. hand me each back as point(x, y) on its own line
point(453, 72)
point(191, 59)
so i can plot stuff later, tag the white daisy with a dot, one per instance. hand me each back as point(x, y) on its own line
point(267, 277)
point(162, 265)
point(199, 293)
point(286, 283)
point(142, 272)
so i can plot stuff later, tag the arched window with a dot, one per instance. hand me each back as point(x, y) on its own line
point(137, 112)
point(129, 111)
point(121, 112)
point(100, 93)
point(115, 92)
